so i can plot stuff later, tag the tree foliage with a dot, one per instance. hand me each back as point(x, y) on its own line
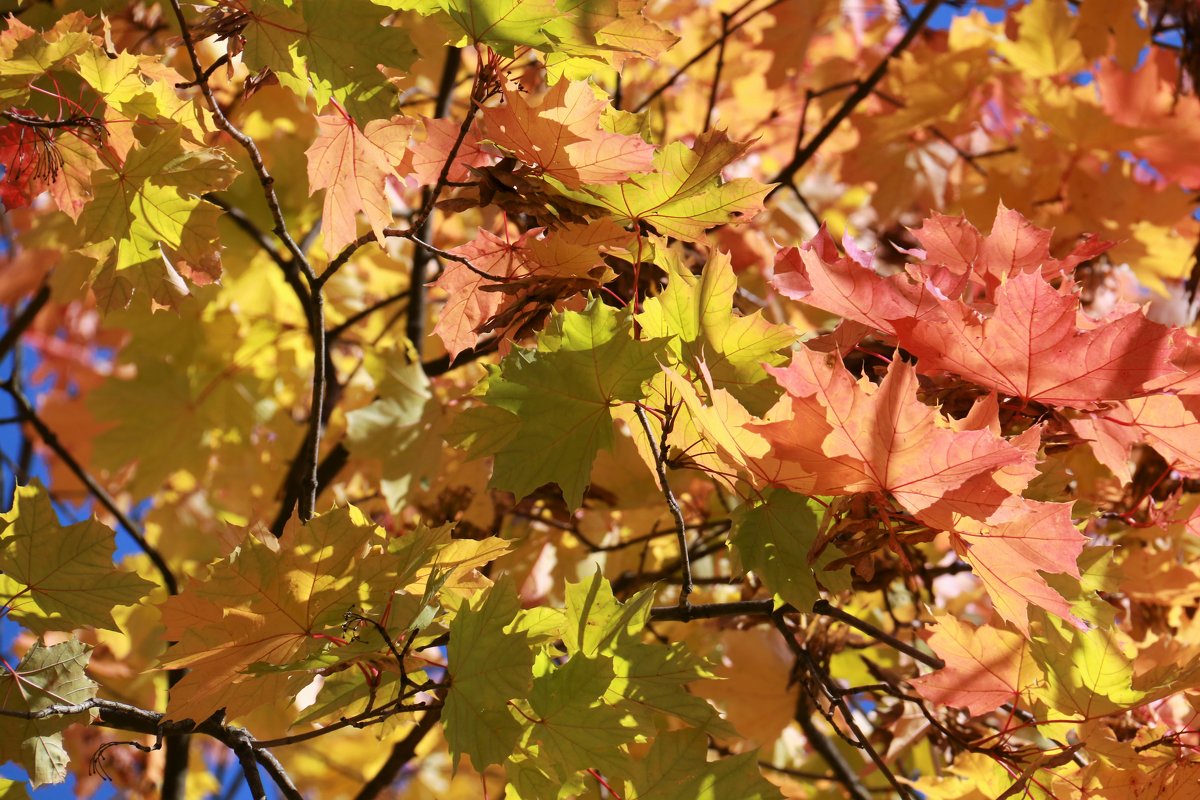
point(606, 399)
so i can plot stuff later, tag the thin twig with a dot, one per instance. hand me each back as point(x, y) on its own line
point(660, 465)
point(716, 82)
point(825, 608)
point(696, 59)
point(282, 780)
point(95, 489)
point(842, 771)
point(860, 93)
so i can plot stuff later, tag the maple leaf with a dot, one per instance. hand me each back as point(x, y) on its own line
point(399, 428)
point(490, 663)
point(150, 207)
point(22, 154)
point(562, 137)
point(1013, 247)
point(503, 25)
point(468, 306)
point(986, 666)
point(818, 275)
point(696, 312)
point(591, 27)
point(425, 159)
point(26, 52)
point(597, 621)
point(352, 167)
point(45, 677)
point(853, 436)
point(775, 540)
point(1035, 346)
point(278, 604)
point(1167, 422)
point(551, 407)
point(676, 767)
point(573, 728)
point(1088, 673)
point(684, 196)
point(331, 47)
point(59, 578)
point(1044, 46)
point(1009, 553)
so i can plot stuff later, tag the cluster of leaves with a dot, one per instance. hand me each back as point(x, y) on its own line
point(486, 406)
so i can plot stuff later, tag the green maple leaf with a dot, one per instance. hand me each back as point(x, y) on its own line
point(333, 47)
point(398, 428)
point(773, 540)
point(684, 196)
point(489, 664)
point(677, 768)
point(26, 54)
point(149, 210)
point(59, 578)
point(696, 311)
point(503, 25)
point(46, 676)
point(596, 620)
point(1088, 673)
point(573, 727)
point(651, 682)
point(558, 400)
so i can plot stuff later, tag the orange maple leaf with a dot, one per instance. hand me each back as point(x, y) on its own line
point(562, 137)
point(1037, 345)
point(986, 667)
point(353, 167)
point(855, 436)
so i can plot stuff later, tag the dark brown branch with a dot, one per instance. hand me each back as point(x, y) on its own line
point(838, 700)
point(23, 320)
point(696, 59)
point(125, 717)
point(297, 262)
point(245, 756)
point(98, 492)
point(842, 771)
point(282, 780)
point(766, 608)
point(716, 82)
point(660, 466)
point(825, 608)
point(763, 608)
point(247, 226)
point(860, 93)
point(402, 753)
point(208, 73)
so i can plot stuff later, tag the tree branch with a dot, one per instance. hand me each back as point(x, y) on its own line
point(23, 320)
point(860, 93)
point(825, 608)
point(101, 496)
point(298, 261)
point(660, 465)
point(125, 717)
point(401, 754)
point(727, 31)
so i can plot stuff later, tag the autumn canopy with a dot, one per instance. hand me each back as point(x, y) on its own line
point(541, 399)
